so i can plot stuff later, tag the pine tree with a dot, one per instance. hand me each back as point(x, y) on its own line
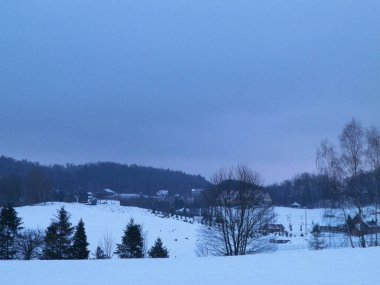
point(10, 225)
point(79, 249)
point(50, 250)
point(99, 254)
point(317, 241)
point(58, 237)
point(132, 242)
point(158, 250)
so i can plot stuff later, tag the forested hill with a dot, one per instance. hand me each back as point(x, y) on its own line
point(27, 182)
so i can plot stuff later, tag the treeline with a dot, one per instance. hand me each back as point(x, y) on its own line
point(309, 190)
point(62, 241)
point(348, 172)
point(314, 190)
point(24, 182)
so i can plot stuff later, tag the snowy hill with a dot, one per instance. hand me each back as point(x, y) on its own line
point(282, 267)
point(178, 236)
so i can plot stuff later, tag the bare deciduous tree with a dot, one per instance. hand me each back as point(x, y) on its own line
point(343, 170)
point(352, 146)
point(329, 164)
point(373, 159)
point(107, 245)
point(29, 243)
point(373, 147)
point(239, 212)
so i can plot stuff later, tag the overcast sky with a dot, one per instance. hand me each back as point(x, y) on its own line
point(192, 85)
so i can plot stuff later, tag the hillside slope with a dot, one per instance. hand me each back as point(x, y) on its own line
point(178, 236)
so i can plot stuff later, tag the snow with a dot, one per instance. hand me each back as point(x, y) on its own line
point(327, 267)
point(285, 267)
point(178, 236)
point(109, 191)
point(162, 193)
point(129, 196)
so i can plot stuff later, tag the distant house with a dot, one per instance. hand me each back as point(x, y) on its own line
point(295, 205)
point(110, 192)
point(333, 229)
point(162, 194)
point(274, 228)
point(253, 197)
point(91, 200)
point(134, 199)
point(359, 227)
point(106, 194)
point(267, 200)
point(196, 193)
point(126, 196)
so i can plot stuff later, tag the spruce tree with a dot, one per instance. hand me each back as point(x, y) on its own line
point(132, 242)
point(99, 254)
point(58, 237)
point(317, 241)
point(10, 225)
point(79, 249)
point(158, 250)
point(50, 250)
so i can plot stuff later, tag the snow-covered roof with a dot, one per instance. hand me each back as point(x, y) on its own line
point(197, 191)
point(109, 191)
point(129, 195)
point(162, 193)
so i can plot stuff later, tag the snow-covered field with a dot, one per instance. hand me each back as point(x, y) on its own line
point(178, 236)
point(327, 267)
point(335, 266)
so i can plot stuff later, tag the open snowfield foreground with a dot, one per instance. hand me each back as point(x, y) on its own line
point(283, 267)
point(340, 266)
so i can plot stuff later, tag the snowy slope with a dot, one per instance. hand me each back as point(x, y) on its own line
point(178, 236)
point(327, 267)
point(282, 267)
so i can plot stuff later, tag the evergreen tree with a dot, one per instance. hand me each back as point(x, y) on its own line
point(132, 242)
point(99, 254)
point(50, 250)
point(350, 224)
point(10, 225)
point(158, 250)
point(79, 249)
point(317, 241)
point(58, 237)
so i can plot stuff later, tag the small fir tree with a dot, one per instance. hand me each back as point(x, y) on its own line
point(132, 245)
point(99, 254)
point(50, 250)
point(350, 224)
point(10, 226)
point(58, 237)
point(158, 250)
point(317, 241)
point(79, 249)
